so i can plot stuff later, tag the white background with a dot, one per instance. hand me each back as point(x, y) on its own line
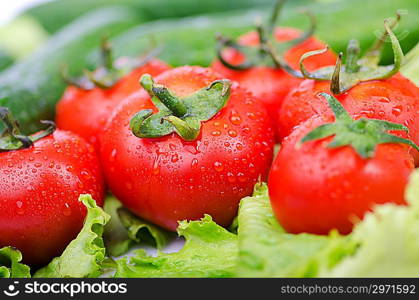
point(10, 8)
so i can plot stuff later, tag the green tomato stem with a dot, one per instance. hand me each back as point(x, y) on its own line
point(352, 56)
point(12, 138)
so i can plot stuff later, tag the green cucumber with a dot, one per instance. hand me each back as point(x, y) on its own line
point(31, 87)
point(5, 60)
point(192, 40)
point(182, 41)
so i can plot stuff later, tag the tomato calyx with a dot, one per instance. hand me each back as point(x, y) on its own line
point(356, 69)
point(183, 116)
point(110, 70)
point(12, 138)
point(363, 134)
point(268, 45)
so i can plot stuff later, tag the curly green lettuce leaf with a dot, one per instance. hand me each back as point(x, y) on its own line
point(388, 241)
point(115, 235)
point(125, 230)
point(266, 250)
point(209, 251)
point(84, 255)
point(10, 264)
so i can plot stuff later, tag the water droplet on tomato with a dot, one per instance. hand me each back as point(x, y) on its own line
point(66, 210)
point(384, 99)
point(112, 156)
point(174, 158)
point(397, 110)
point(235, 119)
point(369, 113)
point(251, 116)
point(241, 177)
point(218, 166)
point(216, 133)
point(194, 163)
point(231, 178)
point(156, 168)
point(252, 168)
point(232, 133)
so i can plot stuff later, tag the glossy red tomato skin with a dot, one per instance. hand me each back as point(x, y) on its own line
point(316, 189)
point(85, 112)
point(166, 180)
point(271, 85)
point(39, 190)
point(395, 100)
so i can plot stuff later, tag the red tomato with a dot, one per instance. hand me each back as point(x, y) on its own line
point(395, 99)
point(315, 189)
point(85, 112)
point(167, 179)
point(39, 190)
point(270, 85)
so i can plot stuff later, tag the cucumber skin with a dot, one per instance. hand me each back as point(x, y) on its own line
point(192, 40)
point(5, 60)
point(31, 88)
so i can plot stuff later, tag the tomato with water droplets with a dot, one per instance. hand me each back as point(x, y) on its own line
point(314, 188)
point(39, 190)
point(172, 179)
point(85, 111)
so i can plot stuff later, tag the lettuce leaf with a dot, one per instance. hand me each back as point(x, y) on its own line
point(10, 264)
point(84, 255)
point(209, 251)
point(115, 235)
point(125, 230)
point(139, 230)
point(388, 241)
point(266, 250)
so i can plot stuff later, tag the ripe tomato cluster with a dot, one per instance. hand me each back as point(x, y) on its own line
point(177, 143)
